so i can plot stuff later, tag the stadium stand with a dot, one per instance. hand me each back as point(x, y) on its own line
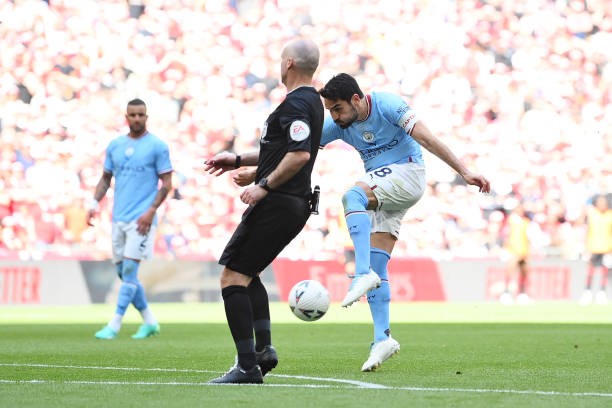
point(521, 90)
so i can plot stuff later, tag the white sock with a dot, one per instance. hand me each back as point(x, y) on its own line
point(115, 323)
point(148, 317)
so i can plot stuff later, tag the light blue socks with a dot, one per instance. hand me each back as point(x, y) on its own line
point(380, 298)
point(355, 203)
point(130, 285)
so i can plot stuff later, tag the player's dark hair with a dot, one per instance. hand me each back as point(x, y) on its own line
point(137, 102)
point(341, 87)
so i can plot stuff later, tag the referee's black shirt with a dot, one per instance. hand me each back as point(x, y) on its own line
point(286, 130)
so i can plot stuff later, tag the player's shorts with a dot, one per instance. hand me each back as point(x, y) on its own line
point(265, 230)
point(397, 187)
point(127, 242)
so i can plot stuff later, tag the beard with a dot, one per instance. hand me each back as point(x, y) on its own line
point(345, 124)
point(136, 128)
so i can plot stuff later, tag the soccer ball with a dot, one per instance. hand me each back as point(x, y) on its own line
point(308, 300)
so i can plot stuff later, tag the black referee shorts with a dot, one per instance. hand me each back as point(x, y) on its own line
point(265, 230)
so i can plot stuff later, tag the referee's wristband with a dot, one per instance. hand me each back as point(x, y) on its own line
point(238, 160)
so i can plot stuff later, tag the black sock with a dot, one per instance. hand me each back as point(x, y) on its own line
point(261, 313)
point(240, 321)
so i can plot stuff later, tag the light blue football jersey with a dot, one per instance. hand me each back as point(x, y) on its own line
point(136, 165)
point(383, 138)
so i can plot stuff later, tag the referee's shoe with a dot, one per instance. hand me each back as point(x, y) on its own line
point(267, 359)
point(238, 375)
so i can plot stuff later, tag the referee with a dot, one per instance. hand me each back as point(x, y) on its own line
point(279, 206)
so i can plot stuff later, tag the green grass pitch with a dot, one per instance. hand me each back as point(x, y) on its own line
point(453, 354)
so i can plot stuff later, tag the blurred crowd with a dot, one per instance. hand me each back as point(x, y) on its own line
point(521, 91)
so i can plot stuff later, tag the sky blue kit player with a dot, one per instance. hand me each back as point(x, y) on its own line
point(388, 135)
point(137, 160)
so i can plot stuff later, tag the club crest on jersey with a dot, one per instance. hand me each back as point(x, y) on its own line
point(299, 131)
point(368, 137)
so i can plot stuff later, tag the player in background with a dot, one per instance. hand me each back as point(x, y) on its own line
point(599, 246)
point(388, 135)
point(137, 160)
point(279, 206)
point(517, 246)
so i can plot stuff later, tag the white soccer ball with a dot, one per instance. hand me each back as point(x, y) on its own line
point(308, 300)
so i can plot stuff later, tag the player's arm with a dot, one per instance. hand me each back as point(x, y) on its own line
point(286, 169)
point(225, 161)
point(101, 189)
point(425, 138)
point(244, 177)
point(145, 220)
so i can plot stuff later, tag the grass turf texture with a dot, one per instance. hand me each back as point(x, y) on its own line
point(477, 355)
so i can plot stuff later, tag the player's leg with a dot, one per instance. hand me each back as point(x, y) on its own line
point(118, 241)
point(592, 266)
point(394, 189)
point(265, 353)
point(380, 298)
point(523, 279)
point(244, 257)
point(261, 313)
point(587, 295)
point(601, 297)
point(139, 247)
point(239, 314)
point(127, 290)
point(355, 202)
point(606, 272)
point(383, 346)
point(507, 297)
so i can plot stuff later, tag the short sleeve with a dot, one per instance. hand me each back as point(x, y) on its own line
point(330, 131)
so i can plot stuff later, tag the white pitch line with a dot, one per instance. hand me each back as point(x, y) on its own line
point(165, 383)
point(172, 370)
point(497, 391)
point(354, 383)
point(359, 384)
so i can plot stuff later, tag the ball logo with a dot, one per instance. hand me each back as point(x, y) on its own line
point(308, 300)
point(299, 131)
point(368, 137)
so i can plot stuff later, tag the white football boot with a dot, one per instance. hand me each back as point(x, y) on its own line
point(601, 297)
point(380, 352)
point(586, 298)
point(506, 299)
point(360, 286)
point(523, 299)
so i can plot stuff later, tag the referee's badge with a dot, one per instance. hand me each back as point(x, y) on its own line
point(264, 132)
point(368, 137)
point(299, 131)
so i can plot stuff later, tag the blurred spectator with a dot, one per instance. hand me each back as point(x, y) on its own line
point(527, 86)
point(75, 216)
point(599, 246)
point(517, 243)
